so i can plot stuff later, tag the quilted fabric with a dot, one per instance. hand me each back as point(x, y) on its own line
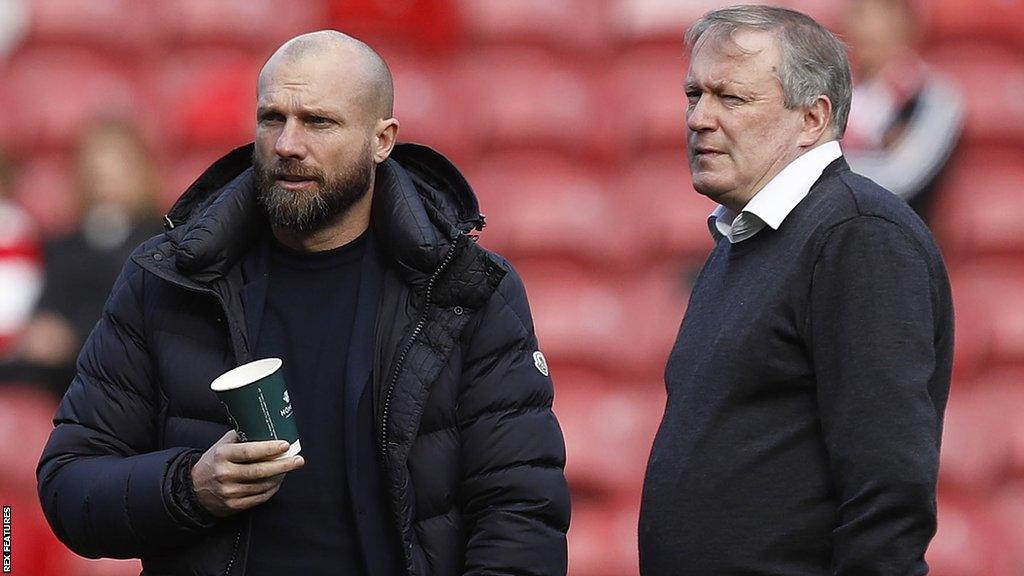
point(470, 450)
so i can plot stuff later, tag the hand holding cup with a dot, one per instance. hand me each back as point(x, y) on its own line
point(247, 465)
point(234, 476)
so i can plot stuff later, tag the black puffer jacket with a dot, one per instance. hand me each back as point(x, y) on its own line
point(470, 452)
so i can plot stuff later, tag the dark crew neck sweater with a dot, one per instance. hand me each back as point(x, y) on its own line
point(805, 398)
point(307, 527)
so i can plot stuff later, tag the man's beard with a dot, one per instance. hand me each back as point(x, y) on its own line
point(307, 211)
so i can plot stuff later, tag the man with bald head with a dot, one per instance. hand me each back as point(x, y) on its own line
point(428, 445)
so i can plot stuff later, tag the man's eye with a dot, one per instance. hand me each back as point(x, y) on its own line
point(732, 99)
point(319, 120)
point(270, 117)
point(692, 97)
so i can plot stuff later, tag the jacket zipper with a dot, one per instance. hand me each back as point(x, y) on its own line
point(245, 349)
point(408, 346)
point(234, 553)
point(231, 334)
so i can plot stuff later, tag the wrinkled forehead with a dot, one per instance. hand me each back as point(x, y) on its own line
point(737, 42)
point(749, 55)
point(311, 80)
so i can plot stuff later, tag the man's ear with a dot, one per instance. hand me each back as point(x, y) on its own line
point(816, 119)
point(385, 136)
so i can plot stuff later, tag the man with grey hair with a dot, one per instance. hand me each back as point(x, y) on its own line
point(808, 382)
point(428, 443)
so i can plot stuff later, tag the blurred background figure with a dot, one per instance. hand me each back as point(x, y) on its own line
point(21, 271)
point(115, 183)
point(13, 17)
point(906, 118)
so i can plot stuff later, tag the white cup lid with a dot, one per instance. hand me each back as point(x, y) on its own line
point(245, 374)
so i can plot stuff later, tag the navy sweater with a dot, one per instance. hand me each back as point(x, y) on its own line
point(308, 527)
point(805, 398)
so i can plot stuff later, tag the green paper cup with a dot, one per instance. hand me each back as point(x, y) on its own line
point(257, 402)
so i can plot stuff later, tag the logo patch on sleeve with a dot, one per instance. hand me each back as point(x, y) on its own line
point(541, 363)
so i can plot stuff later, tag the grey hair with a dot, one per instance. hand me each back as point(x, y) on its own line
point(813, 60)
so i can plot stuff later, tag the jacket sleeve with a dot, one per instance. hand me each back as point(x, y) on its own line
point(873, 316)
point(514, 495)
point(105, 488)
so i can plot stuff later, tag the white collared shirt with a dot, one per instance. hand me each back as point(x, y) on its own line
point(777, 199)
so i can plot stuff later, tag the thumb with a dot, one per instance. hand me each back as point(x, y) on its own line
point(229, 437)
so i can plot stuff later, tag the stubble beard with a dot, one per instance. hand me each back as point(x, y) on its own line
point(309, 211)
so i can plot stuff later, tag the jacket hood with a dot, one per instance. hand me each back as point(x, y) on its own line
point(421, 203)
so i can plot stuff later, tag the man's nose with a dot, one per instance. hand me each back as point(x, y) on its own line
point(700, 116)
point(291, 141)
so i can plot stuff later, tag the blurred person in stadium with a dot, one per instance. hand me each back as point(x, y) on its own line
point(905, 119)
point(115, 181)
point(424, 407)
point(807, 386)
point(21, 270)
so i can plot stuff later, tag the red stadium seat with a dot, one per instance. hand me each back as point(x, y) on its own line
point(994, 292)
point(428, 104)
point(620, 324)
point(528, 99)
point(603, 537)
point(661, 21)
point(650, 100)
point(182, 172)
point(995, 115)
point(207, 99)
point(571, 24)
point(608, 430)
point(431, 24)
point(1008, 390)
point(38, 89)
point(976, 204)
point(579, 317)
point(258, 24)
point(829, 13)
point(973, 450)
point(1002, 290)
point(1000, 21)
point(982, 434)
point(972, 344)
point(45, 186)
point(655, 20)
point(545, 206)
point(1006, 508)
point(968, 543)
point(25, 424)
point(541, 205)
point(671, 214)
point(114, 24)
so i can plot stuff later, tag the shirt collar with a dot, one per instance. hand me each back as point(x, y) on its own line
point(781, 195)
